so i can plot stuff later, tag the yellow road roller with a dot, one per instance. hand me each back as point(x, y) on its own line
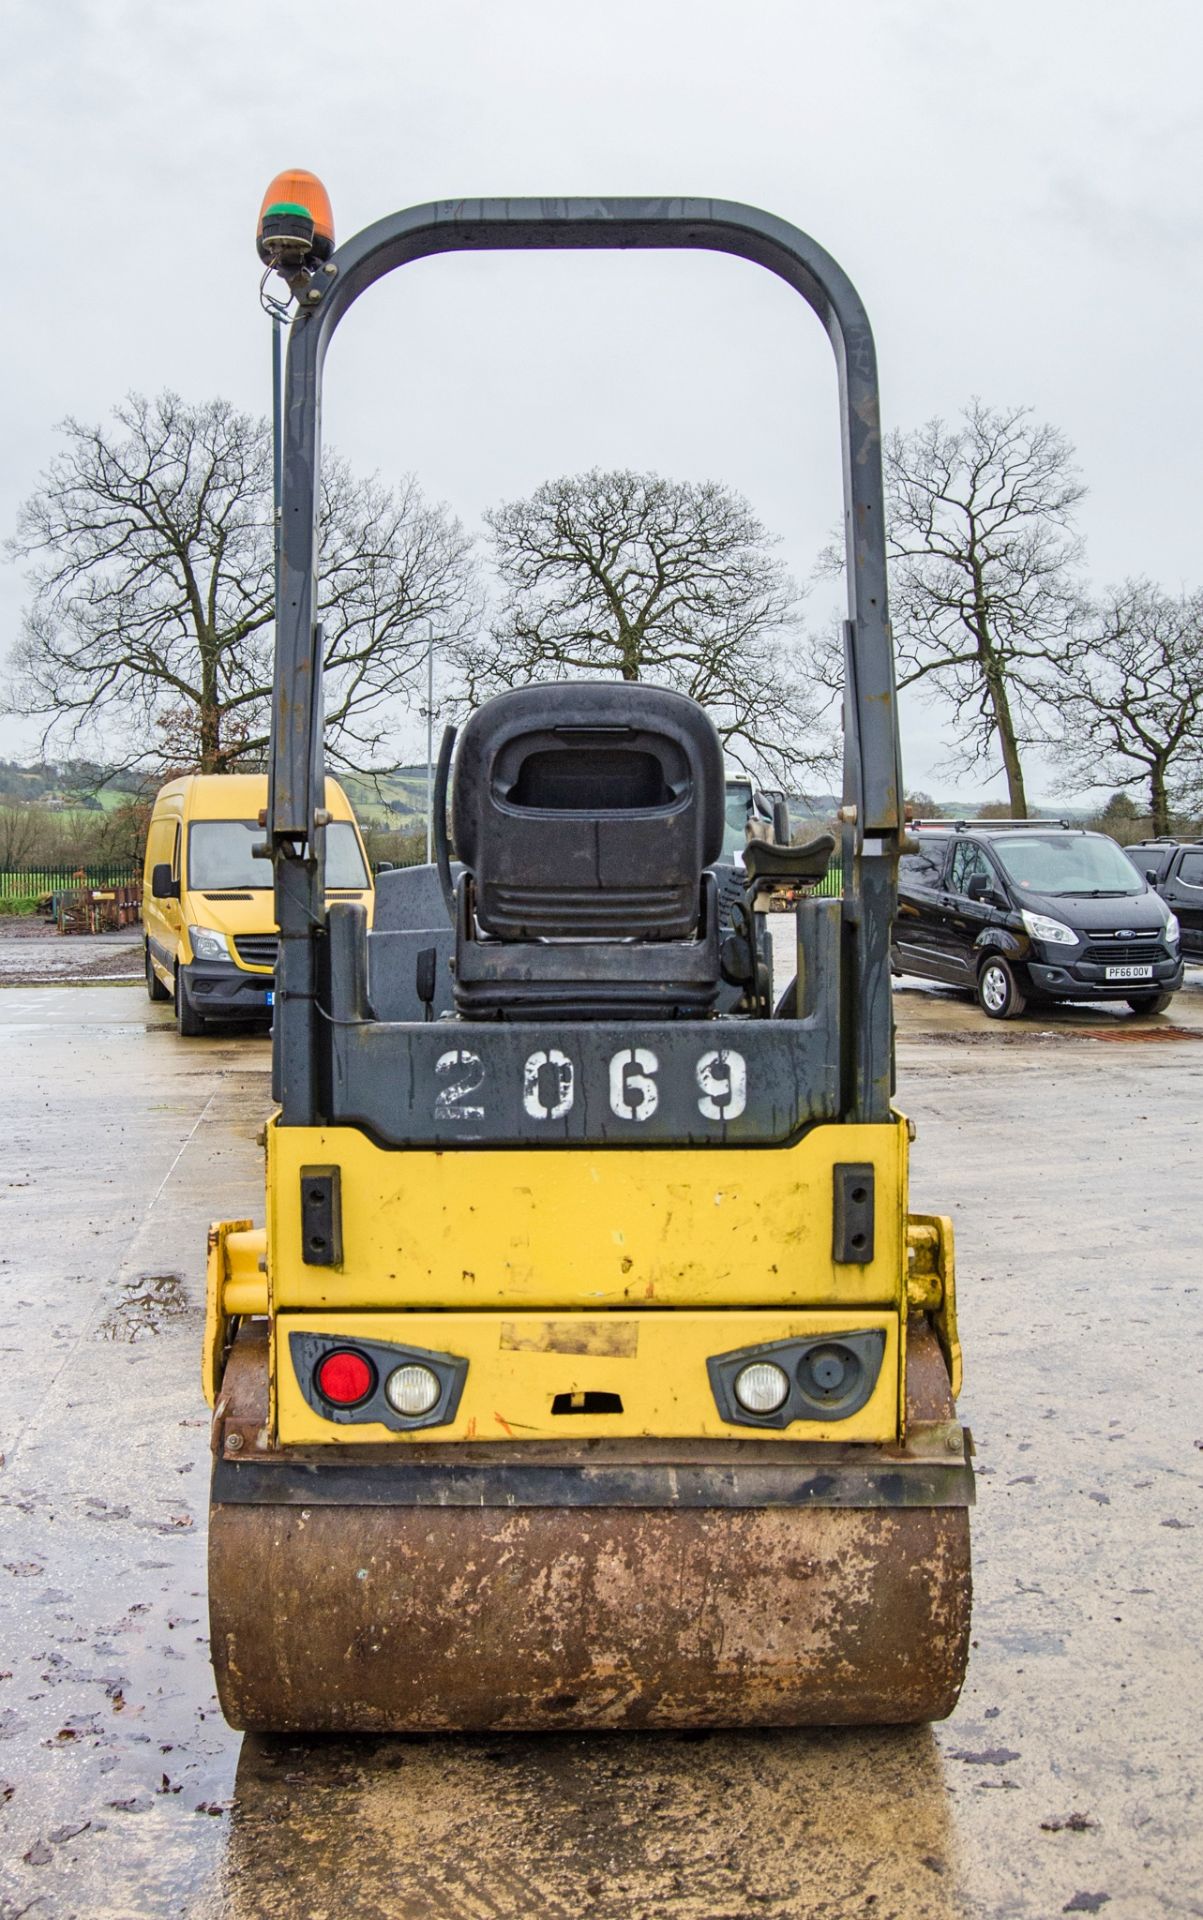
point(589, 1370)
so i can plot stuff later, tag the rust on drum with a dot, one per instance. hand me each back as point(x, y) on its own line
point(417, 1618)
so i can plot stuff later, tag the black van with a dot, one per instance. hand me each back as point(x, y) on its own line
point(1016, 911)
point(1175, 868)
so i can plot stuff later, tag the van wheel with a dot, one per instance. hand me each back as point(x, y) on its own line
point(998, 992)
point(155, 990)
point(188, 1022)
point(1149, 1002)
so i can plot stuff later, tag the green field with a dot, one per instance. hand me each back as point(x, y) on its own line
point(393, 800)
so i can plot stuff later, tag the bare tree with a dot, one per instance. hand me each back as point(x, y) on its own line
point(22, 837)
point(152, 616)
point(921, 806)
point(1130, 698)
point(39, 836)
point(673, 582)
point(983, 552)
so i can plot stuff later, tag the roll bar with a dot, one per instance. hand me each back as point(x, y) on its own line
point(872, 778)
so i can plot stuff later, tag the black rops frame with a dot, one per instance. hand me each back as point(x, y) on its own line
point(872, 777)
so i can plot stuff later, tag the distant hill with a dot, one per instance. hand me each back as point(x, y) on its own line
point(962, 809)
point(394, 800)
point(65, 787)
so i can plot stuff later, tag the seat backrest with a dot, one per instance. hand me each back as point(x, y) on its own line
point(588, 810)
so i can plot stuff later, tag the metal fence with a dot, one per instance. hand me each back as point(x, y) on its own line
point(17, 885)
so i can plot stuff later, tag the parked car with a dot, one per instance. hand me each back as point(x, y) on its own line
point(1176, 870)
point(1016, 911)
point(207, 902)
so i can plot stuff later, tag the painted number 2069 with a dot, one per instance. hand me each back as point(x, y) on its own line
point(549, 1084)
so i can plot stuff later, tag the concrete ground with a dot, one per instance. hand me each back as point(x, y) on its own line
point(34, 954)
point(1068, 1147)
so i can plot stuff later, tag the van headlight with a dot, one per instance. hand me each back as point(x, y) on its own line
point(207, 945)
point(1173, 932)
point(1052, 933)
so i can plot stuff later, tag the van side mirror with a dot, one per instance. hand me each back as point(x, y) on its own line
point(162, 886)
point(383, 866)
point(980, 887)
point(1151, 876)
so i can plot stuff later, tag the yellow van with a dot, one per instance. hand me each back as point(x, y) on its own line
point(207, 901)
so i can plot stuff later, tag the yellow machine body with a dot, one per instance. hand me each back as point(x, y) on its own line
point(518, 1365)
point(588, 1228)
point(622, 1274)
point(636, 1269)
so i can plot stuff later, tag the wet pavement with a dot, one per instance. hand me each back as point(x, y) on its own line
point(33, 953)
point(1067, 1781)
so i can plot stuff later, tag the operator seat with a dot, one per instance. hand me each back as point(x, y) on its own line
point(586, 815)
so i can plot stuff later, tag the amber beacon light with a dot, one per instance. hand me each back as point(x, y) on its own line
point(296, 225)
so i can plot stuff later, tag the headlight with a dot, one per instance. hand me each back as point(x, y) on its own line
point(413, 1390)
point(762, 1387)
point(207, 945)
point(1173, 932)
point(1053, 933)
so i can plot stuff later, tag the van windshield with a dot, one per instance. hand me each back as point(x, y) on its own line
point(1066, 863)
point(220, 857)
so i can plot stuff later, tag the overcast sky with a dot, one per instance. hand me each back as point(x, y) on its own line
point(1014, 189)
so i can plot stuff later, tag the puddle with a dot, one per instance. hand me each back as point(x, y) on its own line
point(143, 1307)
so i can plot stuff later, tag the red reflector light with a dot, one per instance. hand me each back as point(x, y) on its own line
point(345, 1378)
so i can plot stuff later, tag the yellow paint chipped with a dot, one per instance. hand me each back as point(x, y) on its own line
point(617, 1338)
